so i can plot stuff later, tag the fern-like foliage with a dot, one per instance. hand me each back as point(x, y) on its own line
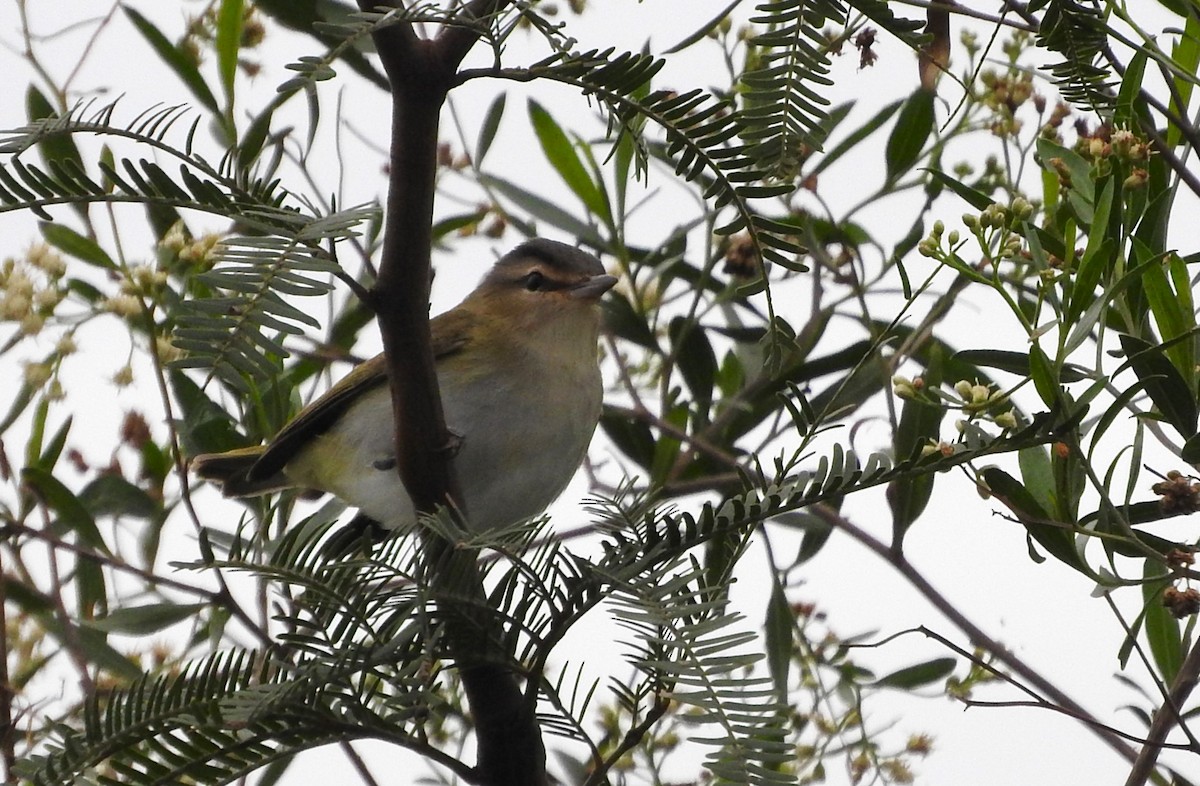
point(361, 648)
point(784, 117)
point(1078, 32)
point(233, 325)
point(701, 133)
point(232, 331)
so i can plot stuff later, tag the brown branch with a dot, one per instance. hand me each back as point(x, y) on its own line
point(421, 73)
point(631, 739)
point(1168, 715)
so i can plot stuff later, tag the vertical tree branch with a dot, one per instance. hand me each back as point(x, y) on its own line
point(1167, 717)
point(421, 72)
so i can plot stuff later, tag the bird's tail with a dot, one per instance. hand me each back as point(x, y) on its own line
point(231, 470)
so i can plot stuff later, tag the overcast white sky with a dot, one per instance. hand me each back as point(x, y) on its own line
point(1043, 612)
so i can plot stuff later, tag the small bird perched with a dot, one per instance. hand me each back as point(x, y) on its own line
point(520, 383)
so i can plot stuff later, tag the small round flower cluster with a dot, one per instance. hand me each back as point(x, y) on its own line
point(1107, 148)
point(201, 252)
point(995, 225)
point(31, 288)
point(973, 399)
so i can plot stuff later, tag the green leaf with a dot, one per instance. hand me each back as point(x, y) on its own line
point(1164, 384)
point(561, 153)
point(71, 514)
point(489, 127)
point(919, 675)
point(1041, 370)
point(97, 650)
point(779, 629)
point(228, 42)
point(908, 138)
point(1172, 310)
point(256, 135)
point(206, 427)
point(632, 437)
point(696, 360)
point(816, 532)
point(543, 209)
point(1186, 55)
point(1162, 629)
point(71, 242)
point(147, 619)
point(1038, 475)
point(1075, 165)
point(175, 59)
point(624, 322)
point(858, 135)
point(113, 495)
point(974, 197)
point(920, 422)
point(1058, 540)
point(1191, 450)
point(1126, 113)
point(1016, 363)
point(53, 449)
point(58, 149)
point(22, 400)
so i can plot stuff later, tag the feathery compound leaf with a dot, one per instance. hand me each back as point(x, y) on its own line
point(700, 131)
point(784, 118)
point(229, 331)
point(1077, 32)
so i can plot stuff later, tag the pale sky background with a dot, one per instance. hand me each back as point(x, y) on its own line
point(1042, 612)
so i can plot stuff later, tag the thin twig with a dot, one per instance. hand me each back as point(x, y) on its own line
point(634, 736)
point(7, 731)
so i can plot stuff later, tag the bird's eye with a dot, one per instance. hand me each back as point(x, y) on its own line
point(534, 281)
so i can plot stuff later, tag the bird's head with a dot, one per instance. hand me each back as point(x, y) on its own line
point(543, 284)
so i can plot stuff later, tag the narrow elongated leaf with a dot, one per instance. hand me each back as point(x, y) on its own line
point(544, 210)
point(920, 423)
point(71, 514)
point(559, 150)
point(1162, 629)
point(912, 130)
point(1055, 538)
point(175, 59)
point(778, 628)
point(696, 360)
point(974, 197)
point(859, 134)
point(632, 437)
point(147, 619)
point(1016, 363)
point(918, 675)
point(1038, 476)
point(1166, 387)
point(228, 43)
point(82, 248)
point(489, 127)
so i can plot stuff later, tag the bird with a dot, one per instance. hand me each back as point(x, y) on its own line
point(519, 375)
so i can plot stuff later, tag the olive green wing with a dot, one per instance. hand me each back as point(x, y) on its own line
point(450, 335)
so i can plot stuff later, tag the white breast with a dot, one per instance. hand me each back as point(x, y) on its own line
point(524, 433)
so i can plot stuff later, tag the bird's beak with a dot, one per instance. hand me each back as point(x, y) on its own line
point(592, 288)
